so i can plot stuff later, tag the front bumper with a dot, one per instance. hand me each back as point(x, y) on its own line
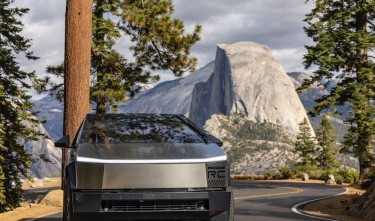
point(150, 205)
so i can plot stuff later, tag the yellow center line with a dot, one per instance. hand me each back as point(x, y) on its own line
point(295, 190)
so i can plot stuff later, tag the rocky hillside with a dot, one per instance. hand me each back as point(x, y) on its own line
point(51, 110)
point(252, 148)
point(169, 97)
point(46, 158)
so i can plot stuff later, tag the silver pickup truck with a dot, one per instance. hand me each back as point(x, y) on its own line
point(145, 167)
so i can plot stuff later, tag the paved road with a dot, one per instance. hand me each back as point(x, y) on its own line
point(266, 200)
point(273, 200)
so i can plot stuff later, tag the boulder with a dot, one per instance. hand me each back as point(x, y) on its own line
point(305, 177)
point(331, 179)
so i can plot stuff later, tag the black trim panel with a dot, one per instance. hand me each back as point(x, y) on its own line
point(90, 205)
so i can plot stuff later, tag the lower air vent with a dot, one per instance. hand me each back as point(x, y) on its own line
point(161, 205)
point(216, 183)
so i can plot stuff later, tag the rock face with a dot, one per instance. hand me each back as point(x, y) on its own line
point(169, 97)
point(244, 78)
point(44, 149)
point(247, 79)
point(51, 110)
point(365, 205)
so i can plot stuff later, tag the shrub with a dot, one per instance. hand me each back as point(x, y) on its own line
point(315, 174)
point(246, 177)
point(343, 174)
point(285, 172)
point(312, 171)
point(347, 175)
point(272, 175)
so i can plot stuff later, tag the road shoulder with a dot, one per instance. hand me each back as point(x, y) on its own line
point(336, 207)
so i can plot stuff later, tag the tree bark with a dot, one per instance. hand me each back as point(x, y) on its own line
point(366, 142)
point(77, 64)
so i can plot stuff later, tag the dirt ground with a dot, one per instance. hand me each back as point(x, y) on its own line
point(29, 210)
point(335, 207)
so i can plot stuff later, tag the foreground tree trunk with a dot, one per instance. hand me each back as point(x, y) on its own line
point(78, 35)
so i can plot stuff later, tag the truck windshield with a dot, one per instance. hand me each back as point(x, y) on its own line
point(137, 128)
point(142, 136)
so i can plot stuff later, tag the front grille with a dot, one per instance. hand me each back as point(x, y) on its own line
point(158, 205)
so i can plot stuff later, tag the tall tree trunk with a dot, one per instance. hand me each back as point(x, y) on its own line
point(365, 138)
point(78, 32)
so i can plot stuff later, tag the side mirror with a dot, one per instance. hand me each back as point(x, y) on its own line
point(63, 142)
point(216, 140)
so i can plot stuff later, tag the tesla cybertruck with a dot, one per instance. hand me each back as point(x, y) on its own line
point(145, 167)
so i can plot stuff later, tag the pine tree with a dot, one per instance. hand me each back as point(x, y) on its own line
point(15, 120)
point(344, 36)
point(305, 144)
point(325, 134)
point(2, 136)
point(158, 41)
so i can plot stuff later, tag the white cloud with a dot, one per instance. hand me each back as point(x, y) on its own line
point(276, 24)
point(287, 58)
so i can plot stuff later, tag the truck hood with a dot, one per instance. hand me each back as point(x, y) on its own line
point(150, 153)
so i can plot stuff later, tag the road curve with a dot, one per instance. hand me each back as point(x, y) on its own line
point(266, 200)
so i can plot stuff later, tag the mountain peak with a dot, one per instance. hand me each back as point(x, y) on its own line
point(247, 79)
point(246, 47)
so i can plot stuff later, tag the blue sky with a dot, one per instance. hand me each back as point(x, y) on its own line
point(277, 24)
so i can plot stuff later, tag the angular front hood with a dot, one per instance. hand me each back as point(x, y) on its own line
point(151, 153)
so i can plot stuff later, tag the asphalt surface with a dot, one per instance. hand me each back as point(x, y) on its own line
point(266, 200)
point(274, 200)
